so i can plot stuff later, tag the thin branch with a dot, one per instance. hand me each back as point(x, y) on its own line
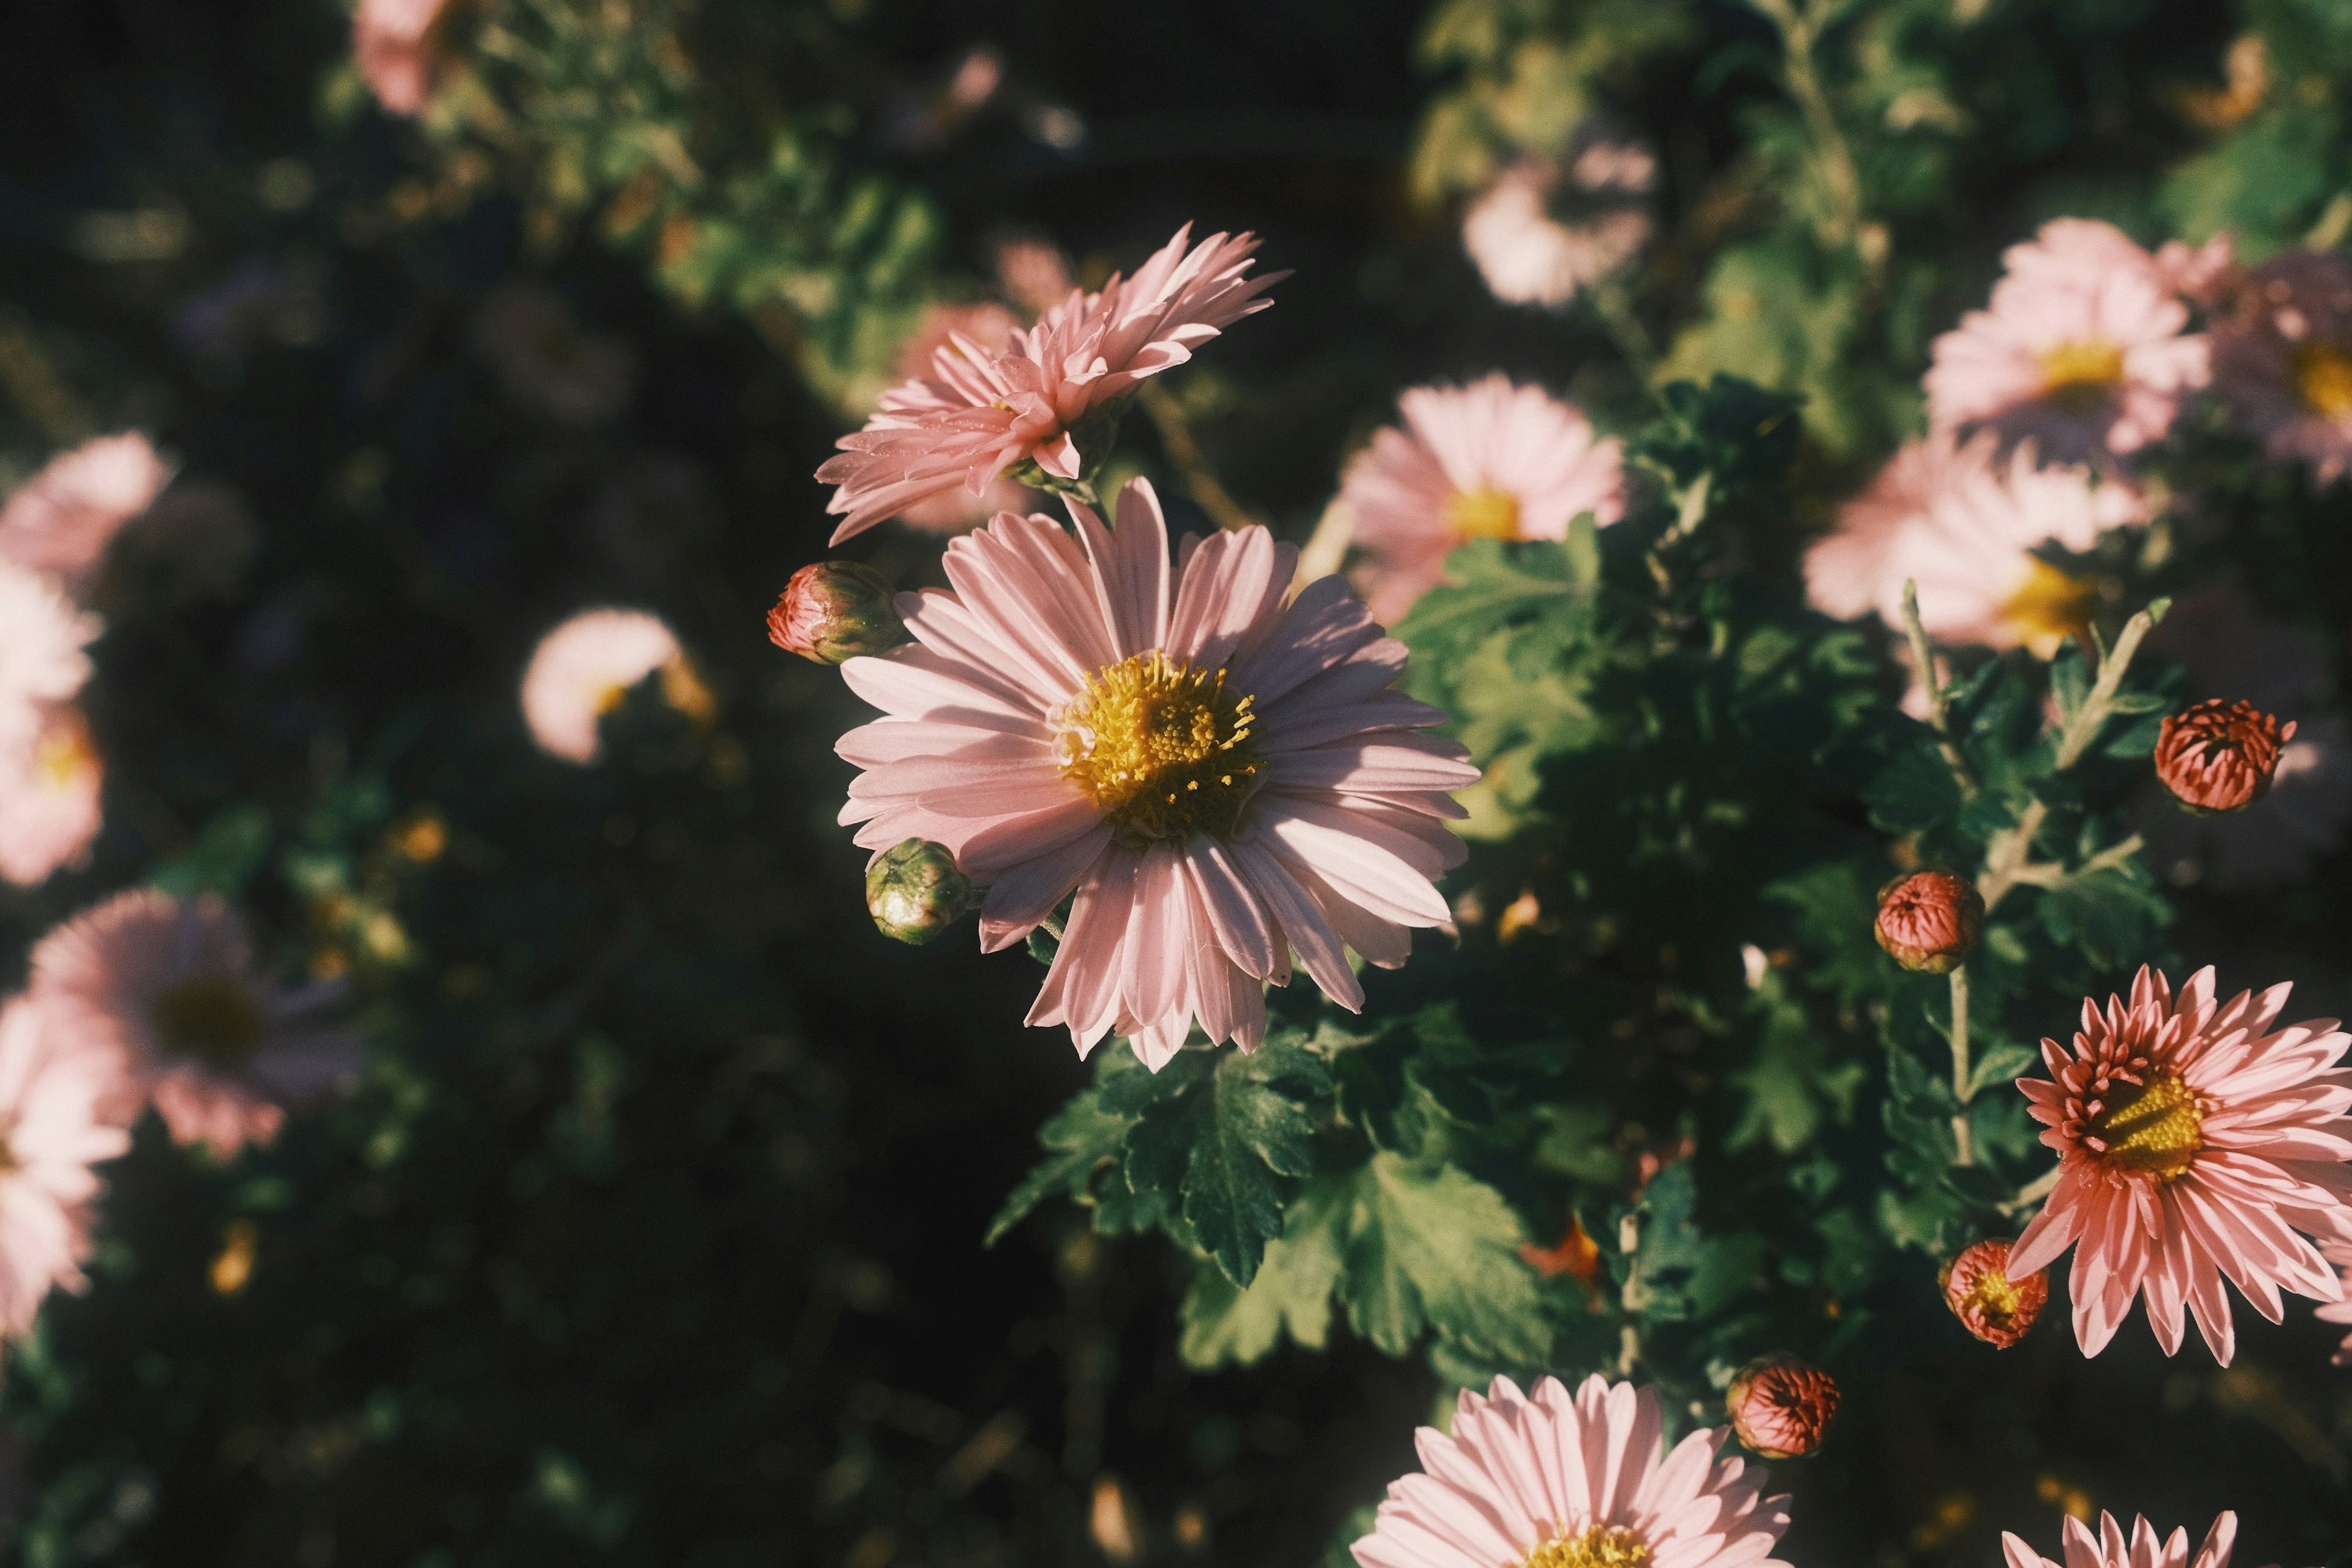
point(1800, 31)
point(1963, 1136)
point(1176, 439)
point(2033, 1192)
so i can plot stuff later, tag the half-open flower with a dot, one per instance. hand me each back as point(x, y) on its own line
point(2218, 755)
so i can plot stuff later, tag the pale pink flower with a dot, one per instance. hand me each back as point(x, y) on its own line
point(42, 661)
point(49, 800)
point(585, 668)
point(2195, 1144)
point(401, 50)
point(51, 1133)
point(1491, 461)
point(1034, 274)
point(1966, 526)
point(2144, 1548)
point(1582, 1481)
point(983, 330)
point(168, 987)
point(61, 520)
point(2200, 273)
point(978, 414)
point(2282, 359)
point(2085, 349)
point(1223, 781)
point(1545, 231)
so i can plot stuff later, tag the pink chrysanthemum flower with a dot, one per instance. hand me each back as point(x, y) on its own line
point(399, 48)
point(2282, 359)
point(1965, 526)
point(1221, 777)
point(42, 661)
point(2085, 348)
point(1556, 1480)
point(2339, 1253)
point(51, 1133)
point(2144, 1548)
point(61, 521)
point(585, 668)
point(1542, 234)
point(978, 414)
point(168, 987)
point(981, 331)
point(2195, 1143)
point(1490, 460)
point(49, 800)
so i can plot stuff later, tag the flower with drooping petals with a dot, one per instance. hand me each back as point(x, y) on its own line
point(2145, 1548)
point(51, 1133)
point(1491, 461)
point(1220, 774)
point(978, 414)
point(1781, 1406)
point(2282, 359)
point(1991, 1303)
point(61, 520)
point(2085, 349)
point(2218, 755)
point(168, 987)
point(42, 661)
point(1965, 526)
point(1929, 922)
point(1544, 232)
point(585, 668)
point(2195, 1143)
point(1584, 1480)
point(401, 50)
point(49, 800)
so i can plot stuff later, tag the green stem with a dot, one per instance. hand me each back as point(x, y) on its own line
point(1963, 1135)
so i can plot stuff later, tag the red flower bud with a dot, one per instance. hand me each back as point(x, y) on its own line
point(1988, 1303)
point(833, 611)
point(2218, 755)
point(917, 891)
point(1929, 921)
point(1781, 1406)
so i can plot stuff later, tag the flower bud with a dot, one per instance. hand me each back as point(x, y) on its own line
point(1988, 1303)
point(836, 610)
point(2220, 755)
point(916, 892)
point(1929, 921)
point(1781, 1406)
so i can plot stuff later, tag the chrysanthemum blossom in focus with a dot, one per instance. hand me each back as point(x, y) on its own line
point(2144, 1548)
point(978, 414)
point(2085, 349)
point(61, 522)
point(2218, 755)
point(1221, 775)
point(2195, 1143)
point(587, 668)
point(1966, 525)
point(1491, 461)
point(42, 661)
point(1995, 1305)
point(168, 987)
point(1781, 1407)
point(51, 1133)
point(2282, 359)
point(49, 800)
point(1583, 1480)
point(979, 331)
point(1544, 232)
point(400, 49)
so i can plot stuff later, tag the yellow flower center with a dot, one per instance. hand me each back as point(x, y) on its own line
point(2323, 377)
point(2048, 607)
point(1995, 1297)
point(1162, 747)
point(210, 1018)
point(2151, 1129)
point(1483, 514)
point(1603, 1546)
point(61, 757)
point(2078, 376)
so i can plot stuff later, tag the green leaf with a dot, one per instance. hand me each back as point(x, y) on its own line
point(1434, 1247)
point(1291, 1294)
point(1079, 1138)
point(2000, 1065)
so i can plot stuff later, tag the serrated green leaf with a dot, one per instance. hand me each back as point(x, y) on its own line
point(1290, 1295)
point(1434, 1247)
point(2000, 1065)
point(1081, 1137)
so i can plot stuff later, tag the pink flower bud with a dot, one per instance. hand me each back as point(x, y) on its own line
point(2218, 756)
point(833, 611)
point(1781, 1406)
point(916, 892)
point(1929, 921)
point(1988, 1303)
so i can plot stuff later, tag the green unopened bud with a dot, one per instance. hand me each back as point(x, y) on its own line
point(917, 892)
point(836, 610)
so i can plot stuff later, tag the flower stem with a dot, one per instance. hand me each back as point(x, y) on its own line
point(1963, 1136)
point(1939, 710)
point(1176, 439)
point(2033, 1192)
point(1802, 27)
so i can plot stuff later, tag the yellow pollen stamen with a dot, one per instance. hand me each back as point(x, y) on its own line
point(213, 1019)
point(1603, 1546)
point(2323, 377)
point(2150, 1129)
point(59, 758)
point(2048, 607)
point(1486, 513)
point(1147, 736)
point(1995, 1297)
point(2078, 376)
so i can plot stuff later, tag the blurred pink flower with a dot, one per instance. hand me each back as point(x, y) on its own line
point(1544, 232)
point(2194, 1143)
point(977, 415)
point(2145, 1548)
point(2282, 359)
point(1034, 274)
point(585, 668)
point(50, 1135)
point(42, 661)
point(2200, 273)
point(1490, 460)
point(61, 520)
point(983, 330)
point(1965, 526)
point(168, 987)
point(49, 800)
point(1223, 781)
point(1556, 1480)
point(2339, 1253)
point(2085, 349)
point(399, 47)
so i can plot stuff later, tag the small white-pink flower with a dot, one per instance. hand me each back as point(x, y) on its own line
point(1545, 231)
point(585, 668)
point(61, 522)
point(400, 50)
point(49, 800)
point(51, 1134)
point(43, 661)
